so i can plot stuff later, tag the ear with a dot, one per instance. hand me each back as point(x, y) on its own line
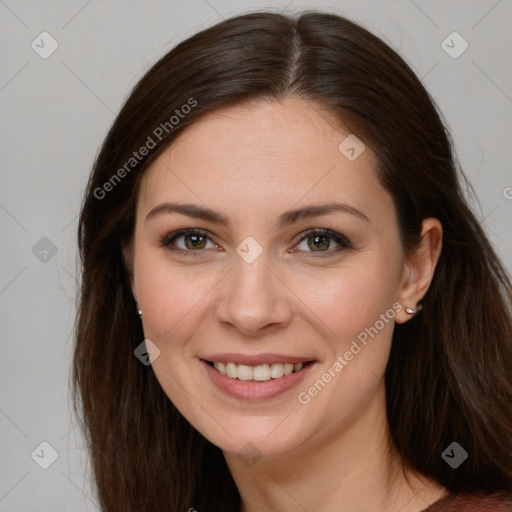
point(419, 267)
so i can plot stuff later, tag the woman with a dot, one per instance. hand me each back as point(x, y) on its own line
point(286, 302)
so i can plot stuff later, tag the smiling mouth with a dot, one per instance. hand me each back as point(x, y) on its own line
point(260, 373)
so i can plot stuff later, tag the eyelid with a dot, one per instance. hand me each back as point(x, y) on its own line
point(338, 238)
point(166, 240)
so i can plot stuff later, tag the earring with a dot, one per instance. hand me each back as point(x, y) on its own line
point(139, 312)
point(412, 311)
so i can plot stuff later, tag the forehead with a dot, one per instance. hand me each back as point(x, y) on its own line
point(266, 129)
point(263, 153)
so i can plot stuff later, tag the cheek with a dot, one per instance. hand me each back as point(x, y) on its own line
point(349, 300)
point(358, 310)
point(170, 298)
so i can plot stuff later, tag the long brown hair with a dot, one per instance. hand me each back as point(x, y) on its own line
point(449, 372)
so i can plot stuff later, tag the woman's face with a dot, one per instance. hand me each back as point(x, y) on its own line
point(250, 285)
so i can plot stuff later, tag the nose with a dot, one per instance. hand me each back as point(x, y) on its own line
point(254, 301)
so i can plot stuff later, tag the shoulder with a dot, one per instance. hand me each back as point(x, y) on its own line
point(473, 502)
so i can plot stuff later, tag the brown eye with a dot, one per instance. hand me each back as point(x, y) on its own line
point(195, 241)
point(188, 241)
point(323, 241)
point(319, 242)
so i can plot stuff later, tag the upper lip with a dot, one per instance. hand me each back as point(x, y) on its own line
point(256, 359)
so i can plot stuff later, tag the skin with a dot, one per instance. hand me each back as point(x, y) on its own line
point(251, 163)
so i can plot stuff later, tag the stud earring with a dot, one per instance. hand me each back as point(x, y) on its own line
point(139, 312)
point(412, 311)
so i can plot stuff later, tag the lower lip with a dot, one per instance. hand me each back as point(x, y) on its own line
point(253, 390)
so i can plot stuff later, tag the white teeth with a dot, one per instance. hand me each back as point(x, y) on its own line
point(244, 372)
point(221, 367)
point(231, 370)
point(261, 372)
point(276, 371)
point(288, 368)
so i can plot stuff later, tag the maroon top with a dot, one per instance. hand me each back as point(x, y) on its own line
point(474, 502)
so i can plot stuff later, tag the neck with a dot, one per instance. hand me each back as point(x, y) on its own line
point(350, 470)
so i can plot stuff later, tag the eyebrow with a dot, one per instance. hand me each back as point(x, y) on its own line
point(285, 219)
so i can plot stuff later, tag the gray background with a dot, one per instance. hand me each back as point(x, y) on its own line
point(54, 115)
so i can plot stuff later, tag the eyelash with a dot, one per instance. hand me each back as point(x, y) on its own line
point(342, 241)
